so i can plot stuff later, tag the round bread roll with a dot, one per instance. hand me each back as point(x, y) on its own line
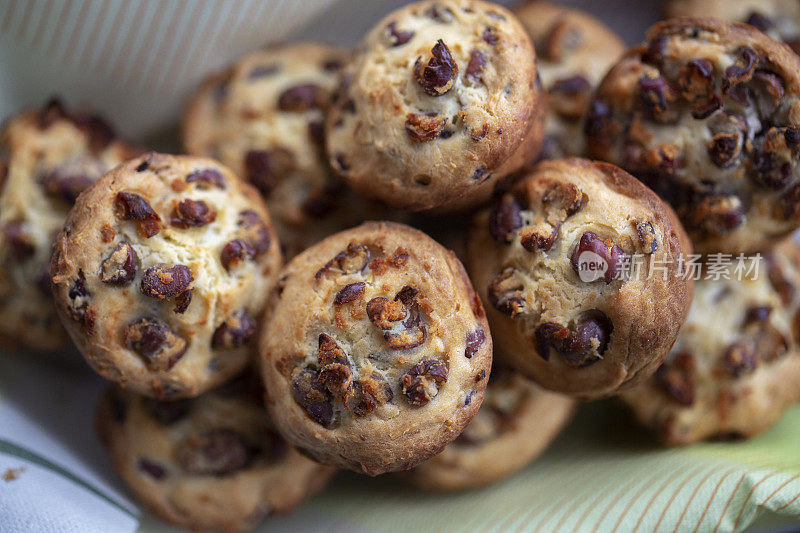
point(573, 51)
point(441, 101)
point(47, 158)
point(264, 118)
point(209, 463)
point(707, 113)
point(780, 19)
point(579, 264)
point(516, 422)
point(376, 350)
point(735, 366)
point(162, 271)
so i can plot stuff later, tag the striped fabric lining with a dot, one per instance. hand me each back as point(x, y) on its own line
point(150, 44)
point(604, 474)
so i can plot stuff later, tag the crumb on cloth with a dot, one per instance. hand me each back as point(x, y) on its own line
point(12, 474)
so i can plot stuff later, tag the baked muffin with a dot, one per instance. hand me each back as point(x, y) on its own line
point(442, 101)
point(574, 50)
point(376, 350)
point(516, 423)
point(161, 272)
point(735, 366)
point(707, 113)
point(780, 19)
point(580, 266)
point(210, 463)
point(47, 158)
point(263, 118)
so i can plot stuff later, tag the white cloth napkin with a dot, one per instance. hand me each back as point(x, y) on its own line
point(54, 476)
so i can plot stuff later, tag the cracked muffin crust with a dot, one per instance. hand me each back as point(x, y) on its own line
point(376, 350)
point(574, 50)
point(780, 19)
point(264, 118)
point(708, 114)
point(579, 267)
point(735, 366)
point(213, 462)
point(161, 273)
point(515, 424)
point(47, 158)
point(441, 101)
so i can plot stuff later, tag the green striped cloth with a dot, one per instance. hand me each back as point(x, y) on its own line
point(603, 474)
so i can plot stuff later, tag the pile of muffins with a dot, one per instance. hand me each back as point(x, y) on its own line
point(268, 312)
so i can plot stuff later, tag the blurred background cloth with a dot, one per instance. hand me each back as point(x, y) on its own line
point(135, 61)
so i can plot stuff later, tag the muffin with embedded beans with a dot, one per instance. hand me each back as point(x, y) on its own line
point(47, 158)
point(707, 113)
point(780, 19)
point(208, 463)
point(263, 118)
point(161, 273)
point(574, 50)
point(735, 366)
point(441, 101)
point(516, 423)
point(376, 351)
point(580, 266)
